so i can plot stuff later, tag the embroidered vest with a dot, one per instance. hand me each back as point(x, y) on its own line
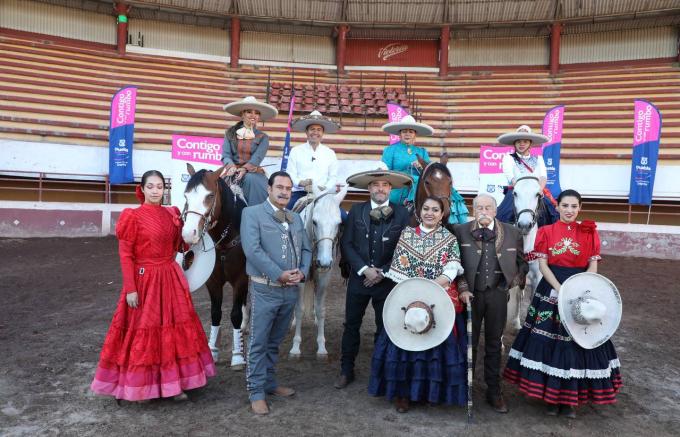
point(488, 271)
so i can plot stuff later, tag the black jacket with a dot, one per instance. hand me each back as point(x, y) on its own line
point(356, 245)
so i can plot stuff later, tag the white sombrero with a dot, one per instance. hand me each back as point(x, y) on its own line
point(202, 263)
point(418, 314)
point(395, 178)
point(522, 133)
point(407, 122)
point(590, 308)
point(267, 111)
point(315, 117)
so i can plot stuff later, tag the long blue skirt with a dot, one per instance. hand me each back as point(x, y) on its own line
point(437, 375)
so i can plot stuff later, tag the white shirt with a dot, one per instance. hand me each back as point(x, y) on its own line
point(320, 165)
point(491, 225)
point(373, 206)
point(276, 208)
point(513, 171)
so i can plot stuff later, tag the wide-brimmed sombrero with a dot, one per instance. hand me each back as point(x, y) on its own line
point(418, 314)
point(395, 178)
point(315, 117)
point(523, 132)
point(198, 262)
point(407, 122)
point(267, 111)
point(590, 308)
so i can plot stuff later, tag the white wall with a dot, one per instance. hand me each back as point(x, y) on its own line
point(499, 51)
point(287, 48)
point(56, 20)
point(177, 37)
point(605, 180)
point(645, 43)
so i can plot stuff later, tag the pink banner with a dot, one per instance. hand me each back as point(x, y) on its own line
point(290, 110)
point(197, 149)
point(395, 113)
point(552, 125)
point(123, 108)
point(647, 124)
point(490, 158)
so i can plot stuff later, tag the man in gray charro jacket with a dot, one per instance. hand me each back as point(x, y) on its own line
point(278, 254)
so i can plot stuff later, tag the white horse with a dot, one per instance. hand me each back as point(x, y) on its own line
point(526, 197)
point(322, 222)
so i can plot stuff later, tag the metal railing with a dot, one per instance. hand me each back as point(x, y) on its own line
point(63, 182)
point(42, 183)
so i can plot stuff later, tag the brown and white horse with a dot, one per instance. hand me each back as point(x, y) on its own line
point(211, 207)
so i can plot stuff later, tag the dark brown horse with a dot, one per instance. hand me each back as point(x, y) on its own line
point(212, 207)
point(435, 181)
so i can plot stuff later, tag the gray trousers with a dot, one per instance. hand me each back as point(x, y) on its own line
point(255, 188)
point(271, 312)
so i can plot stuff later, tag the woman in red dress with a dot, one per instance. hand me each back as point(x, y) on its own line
point(544, 361)
point(155, 346)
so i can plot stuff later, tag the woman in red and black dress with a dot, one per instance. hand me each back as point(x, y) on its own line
point(544, 360)
point(155, 346)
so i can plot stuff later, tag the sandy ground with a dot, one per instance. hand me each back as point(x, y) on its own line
point(58, 296)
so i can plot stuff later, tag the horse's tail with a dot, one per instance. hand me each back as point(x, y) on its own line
point(308, 299)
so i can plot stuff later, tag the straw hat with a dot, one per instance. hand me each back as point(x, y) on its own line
point(418, 314)
point(267, 111)
point(202, 263)
point(522, 133)
point(315, 117)
point(407, 122)
point(395, 178)
point(590, 308)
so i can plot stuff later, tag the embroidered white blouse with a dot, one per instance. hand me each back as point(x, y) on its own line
point(512, 170)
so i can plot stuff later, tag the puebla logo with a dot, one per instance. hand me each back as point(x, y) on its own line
point(391, 50)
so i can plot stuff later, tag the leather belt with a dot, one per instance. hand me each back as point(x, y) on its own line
point(266, 281)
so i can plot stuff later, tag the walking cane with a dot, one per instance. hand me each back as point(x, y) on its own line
point(469, 361)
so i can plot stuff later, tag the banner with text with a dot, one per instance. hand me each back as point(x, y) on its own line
point(491, 177)
point(646, 138)
point(201, 152)
point(121, 135)
point(552, 128)
point(387, 52)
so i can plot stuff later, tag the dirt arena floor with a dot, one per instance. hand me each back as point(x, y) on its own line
point(58, 296)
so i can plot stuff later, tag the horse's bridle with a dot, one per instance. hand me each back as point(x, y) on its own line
point(533, 212)
point(209, 222)
point(316, 241)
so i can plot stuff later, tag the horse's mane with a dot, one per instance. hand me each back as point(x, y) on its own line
point(435, 166)
point(232, 207)
point(195, 180)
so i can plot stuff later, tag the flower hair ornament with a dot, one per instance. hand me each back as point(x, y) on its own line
point(139, 194)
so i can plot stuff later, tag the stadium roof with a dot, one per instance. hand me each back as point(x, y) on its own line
point(405, 18)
